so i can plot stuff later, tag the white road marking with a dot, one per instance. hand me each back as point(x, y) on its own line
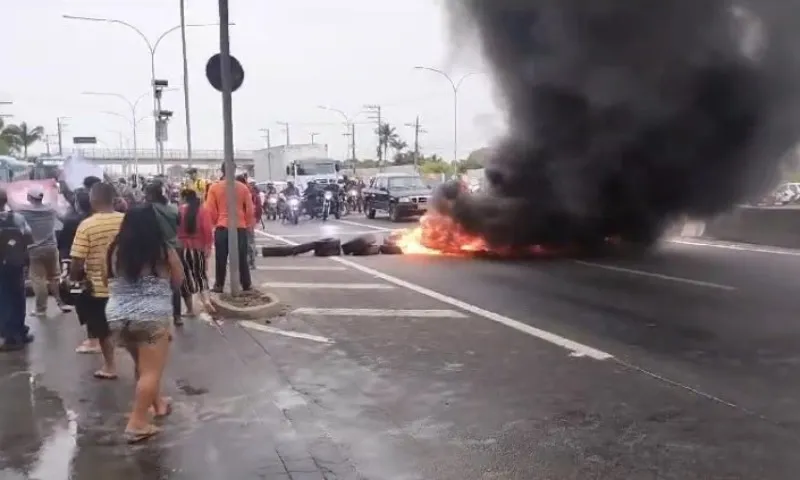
point(286, 333)
point(366, 225)
point(317, 235)
point(337, 286)
point(576, 349)
point(739, 247)
point(688, 281)
point(373, 312)
point(301, 268)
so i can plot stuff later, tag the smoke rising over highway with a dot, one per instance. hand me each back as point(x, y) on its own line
point(625, 114)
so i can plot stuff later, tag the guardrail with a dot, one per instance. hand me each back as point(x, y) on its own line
point(767, 226)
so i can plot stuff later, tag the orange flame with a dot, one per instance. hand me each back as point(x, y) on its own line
point(437, 234)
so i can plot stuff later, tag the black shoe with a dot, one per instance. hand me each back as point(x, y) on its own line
point(217, 289)
point(29, 338)
point(178, 321)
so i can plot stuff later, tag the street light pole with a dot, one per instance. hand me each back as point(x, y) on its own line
point(134, 122)
point(456, 86)
point(186, 85)
point(152, 49)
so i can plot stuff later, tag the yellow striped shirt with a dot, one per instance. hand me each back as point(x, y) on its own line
point(91, 243)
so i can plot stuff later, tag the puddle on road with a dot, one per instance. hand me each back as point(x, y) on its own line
point(57, 452)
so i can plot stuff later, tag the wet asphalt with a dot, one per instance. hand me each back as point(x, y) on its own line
point(415, 372)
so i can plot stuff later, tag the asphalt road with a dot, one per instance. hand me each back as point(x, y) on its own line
point(701, 342)
point(676, 364)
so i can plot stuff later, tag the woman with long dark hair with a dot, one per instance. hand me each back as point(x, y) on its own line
point(143, 269)
point(195, 237)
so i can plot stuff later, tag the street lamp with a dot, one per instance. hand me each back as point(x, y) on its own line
point(350, 126)
point(133, 120)
point(456, 86)
point(152, 46)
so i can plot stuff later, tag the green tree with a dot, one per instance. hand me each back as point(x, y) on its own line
point(21, 137)
point(387, 135)
point(5, 141)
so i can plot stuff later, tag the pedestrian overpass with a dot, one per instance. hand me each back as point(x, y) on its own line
point(204, 159)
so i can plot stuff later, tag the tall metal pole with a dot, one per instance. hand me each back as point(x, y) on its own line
point(155, 108)
point(455, 122)
point(186, 85)
point(230, 168)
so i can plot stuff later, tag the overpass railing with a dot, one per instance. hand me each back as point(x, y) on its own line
point(169, 154)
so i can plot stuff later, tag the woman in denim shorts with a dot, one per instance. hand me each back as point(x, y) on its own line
point(143, 270)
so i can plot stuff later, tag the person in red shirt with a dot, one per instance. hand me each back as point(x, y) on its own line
point(195, 237)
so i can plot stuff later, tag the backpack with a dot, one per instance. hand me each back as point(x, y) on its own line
point(13, 242)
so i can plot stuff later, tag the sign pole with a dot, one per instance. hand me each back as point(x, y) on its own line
point(230, 167)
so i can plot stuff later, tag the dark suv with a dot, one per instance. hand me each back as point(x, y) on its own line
point(400, 195)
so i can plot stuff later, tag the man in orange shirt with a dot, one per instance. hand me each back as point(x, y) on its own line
point(217, 207)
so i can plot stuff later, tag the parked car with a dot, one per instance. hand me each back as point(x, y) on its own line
point(401, 195)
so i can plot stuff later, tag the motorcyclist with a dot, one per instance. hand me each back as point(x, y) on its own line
point(288, 192)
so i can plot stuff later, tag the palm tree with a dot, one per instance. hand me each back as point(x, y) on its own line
point(22, 137)
point(386, 135)
point(5, 141)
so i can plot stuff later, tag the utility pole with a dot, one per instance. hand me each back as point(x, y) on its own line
point(376, 115)
point(60, 129)
point(417, 130)
point(285, 125)
point(268, 138)
point(314, 136)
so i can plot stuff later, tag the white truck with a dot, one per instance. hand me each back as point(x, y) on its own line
point(297, 163)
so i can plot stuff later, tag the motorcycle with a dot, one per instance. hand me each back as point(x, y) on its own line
point(271, 207)
point(344, 205)
point(354, 200)
point(291, 210)
point(327, 201)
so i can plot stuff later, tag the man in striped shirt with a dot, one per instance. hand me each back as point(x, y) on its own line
point(89, 250)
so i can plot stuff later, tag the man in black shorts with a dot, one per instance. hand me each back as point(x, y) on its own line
point(89, 250)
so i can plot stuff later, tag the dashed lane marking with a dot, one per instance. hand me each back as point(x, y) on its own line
point(301, 268)
point(660, 276)
point(337, 286)
point(576, 349)
point(373, 312)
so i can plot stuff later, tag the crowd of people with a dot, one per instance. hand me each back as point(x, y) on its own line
point(127, 260)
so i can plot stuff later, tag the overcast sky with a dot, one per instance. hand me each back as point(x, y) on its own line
point(297, 54)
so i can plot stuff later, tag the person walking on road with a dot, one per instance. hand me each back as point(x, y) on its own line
point(45, 265)
point(196, 238)
point(217, 205)
point(15, 236)
point(89, 249)
point(168, 218)
point(143, 272)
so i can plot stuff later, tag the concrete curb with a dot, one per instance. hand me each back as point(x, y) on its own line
point(257, 312)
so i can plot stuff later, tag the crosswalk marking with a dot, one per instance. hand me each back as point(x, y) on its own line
point(337, 286)
point(374, 312)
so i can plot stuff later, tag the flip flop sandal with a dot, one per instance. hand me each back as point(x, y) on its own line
point(86, 349)
point(101, 375)
point(133, 437)
point(168, 401)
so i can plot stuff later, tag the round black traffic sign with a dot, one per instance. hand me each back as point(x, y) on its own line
point(214, 72)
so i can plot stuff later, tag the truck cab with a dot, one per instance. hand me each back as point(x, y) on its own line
point(322, 171)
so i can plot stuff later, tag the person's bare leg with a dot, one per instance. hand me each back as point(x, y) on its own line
point(109, 368)
point(162, 405)
point(151, 360)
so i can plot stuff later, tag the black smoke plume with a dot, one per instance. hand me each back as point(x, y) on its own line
point(624, 114)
